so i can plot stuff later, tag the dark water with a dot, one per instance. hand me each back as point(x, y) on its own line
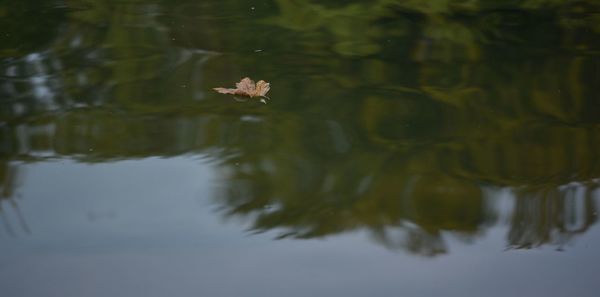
point(410, 148)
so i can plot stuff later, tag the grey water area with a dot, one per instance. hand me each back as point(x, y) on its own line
point(117, 231)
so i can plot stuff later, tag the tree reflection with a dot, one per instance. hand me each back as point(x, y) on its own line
point(405, 202)
point(552, 215)
point(9, 208)
point(399, 130)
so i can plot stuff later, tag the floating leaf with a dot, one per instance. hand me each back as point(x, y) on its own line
point(247, 87)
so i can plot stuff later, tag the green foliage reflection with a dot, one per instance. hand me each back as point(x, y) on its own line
point(395, 117)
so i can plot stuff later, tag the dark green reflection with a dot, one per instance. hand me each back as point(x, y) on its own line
point(395, 117)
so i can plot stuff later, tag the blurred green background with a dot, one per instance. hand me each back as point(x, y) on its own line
point(385, 115)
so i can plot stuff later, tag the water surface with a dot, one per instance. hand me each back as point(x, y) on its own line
point(409, 149)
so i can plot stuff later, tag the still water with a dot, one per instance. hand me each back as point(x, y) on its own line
point(410, 148)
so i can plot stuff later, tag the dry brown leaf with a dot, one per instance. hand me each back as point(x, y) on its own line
point(247, 87)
